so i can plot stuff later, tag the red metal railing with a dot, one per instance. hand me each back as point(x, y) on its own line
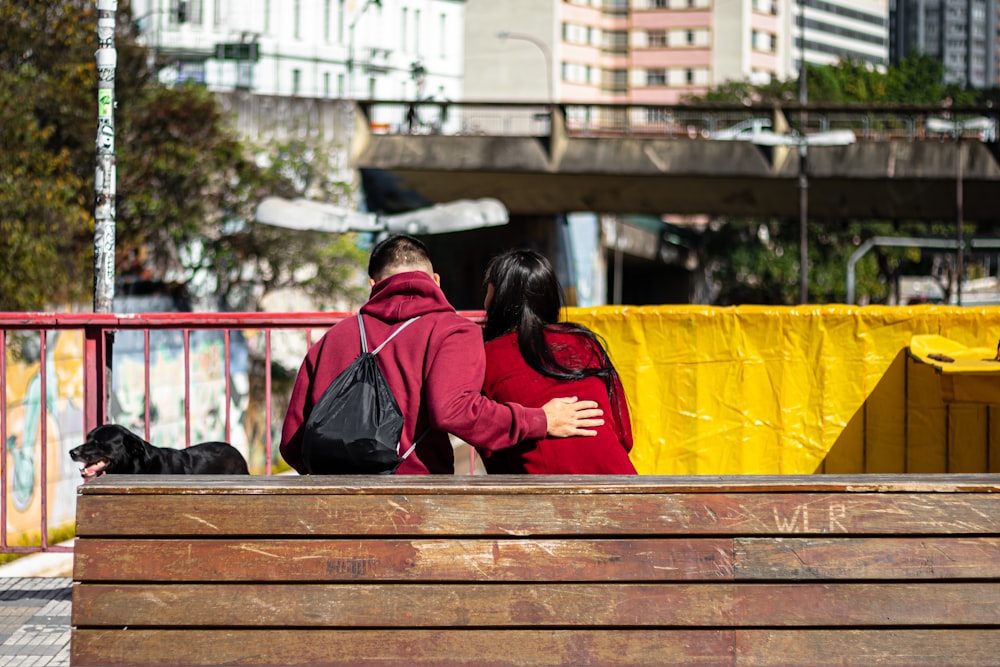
point(25, 336)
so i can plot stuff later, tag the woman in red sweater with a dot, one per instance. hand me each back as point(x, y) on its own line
point(531, 357)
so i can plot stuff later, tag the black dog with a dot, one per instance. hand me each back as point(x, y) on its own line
point(113, 449)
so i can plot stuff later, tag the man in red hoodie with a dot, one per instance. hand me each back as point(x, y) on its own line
point(435, 369)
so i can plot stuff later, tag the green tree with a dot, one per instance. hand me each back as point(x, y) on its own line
point(186, 184)
point(44, 212)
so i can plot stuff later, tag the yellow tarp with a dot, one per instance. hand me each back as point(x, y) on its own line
point(770, 390)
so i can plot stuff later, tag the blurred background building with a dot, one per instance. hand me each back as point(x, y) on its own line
point(961, 34)
point(384, 49)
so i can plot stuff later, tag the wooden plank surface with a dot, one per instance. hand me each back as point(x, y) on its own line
point(554, 514)
point(413, 648)
point(544, 484)
point(866, 648)
point(859, 558)
point(720, 604)
point(536, 648)
point(458, 560)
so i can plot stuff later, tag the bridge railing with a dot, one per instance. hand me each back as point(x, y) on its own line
point(868, 122)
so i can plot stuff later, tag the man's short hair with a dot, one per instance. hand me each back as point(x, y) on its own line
point(398, 254)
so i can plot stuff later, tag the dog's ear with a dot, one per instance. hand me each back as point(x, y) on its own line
point(133, 444)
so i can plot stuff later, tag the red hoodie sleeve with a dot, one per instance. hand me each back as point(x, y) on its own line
point(453, 392)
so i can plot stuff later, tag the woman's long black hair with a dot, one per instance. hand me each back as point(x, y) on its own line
point(527, 299)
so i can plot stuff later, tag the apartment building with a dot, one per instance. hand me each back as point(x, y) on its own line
point(364, 49)
point(584, 51)
point(961, 34)
point(827, 31)
point(657, 51)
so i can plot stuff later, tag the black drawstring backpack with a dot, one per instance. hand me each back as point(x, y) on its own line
point(354, 428)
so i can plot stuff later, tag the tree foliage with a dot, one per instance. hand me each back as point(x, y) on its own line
point(43, 206)
point(917, 79)
point(187, 185)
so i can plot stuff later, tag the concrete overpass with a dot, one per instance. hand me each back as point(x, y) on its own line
point(626, 159)
point(895, 170)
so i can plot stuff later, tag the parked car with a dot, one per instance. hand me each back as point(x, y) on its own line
point(742, 131)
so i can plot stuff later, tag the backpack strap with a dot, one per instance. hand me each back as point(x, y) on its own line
point(364, 348)
point(364, 341)
point(415, 443)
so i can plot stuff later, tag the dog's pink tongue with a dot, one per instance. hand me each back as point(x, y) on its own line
point(92, 471)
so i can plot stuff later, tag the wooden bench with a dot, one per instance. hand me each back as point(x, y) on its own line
point(798, 571)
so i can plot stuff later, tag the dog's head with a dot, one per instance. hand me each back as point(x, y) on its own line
point(108, 449)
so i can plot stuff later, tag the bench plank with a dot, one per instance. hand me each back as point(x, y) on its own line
point(530, 648)
point(503, 514)
point(534, 484)
point(774, 559)
point(859, 558)
point(535, 605)
point(865, 648)
point(400, 560)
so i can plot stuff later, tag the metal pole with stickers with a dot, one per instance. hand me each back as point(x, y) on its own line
point(104, 200)
point(104, 176)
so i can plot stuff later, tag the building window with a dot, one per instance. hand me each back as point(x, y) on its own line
point(244, 75)
point(297, 19)
point(416, 31)
point(192, 14)
point(404, 29)
point(763, 41)
point(341, 84)
point(656, 77)
point(575, 34)
point(657, 38)
point(371, 88)
point(326, 21)
point(659, 4)
point(689, 37)
point(340, 21)
point(689, 76)
point(296, 81)
point(576, 73)
point(217, 12)
point(616, 41)
point(443, 26)
point(615, 80)
point(326, 84)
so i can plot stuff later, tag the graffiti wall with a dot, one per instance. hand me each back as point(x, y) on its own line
point(24, 428)
point(205, 386)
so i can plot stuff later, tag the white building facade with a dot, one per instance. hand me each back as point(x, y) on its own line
point(346, 49)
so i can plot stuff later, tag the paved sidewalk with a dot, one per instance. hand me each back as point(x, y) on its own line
point(34, 621)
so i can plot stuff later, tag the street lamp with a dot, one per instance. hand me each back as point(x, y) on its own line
point(350, 43)
point(504, 35)
point(308, 215)
point(803, 168)
point(956, 128)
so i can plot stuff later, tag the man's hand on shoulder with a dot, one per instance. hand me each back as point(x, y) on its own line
point(565, 417)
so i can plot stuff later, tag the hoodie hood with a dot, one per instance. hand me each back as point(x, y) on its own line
point(406, 295)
